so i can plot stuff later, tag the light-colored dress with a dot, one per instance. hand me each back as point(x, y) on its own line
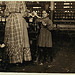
point(16, 34)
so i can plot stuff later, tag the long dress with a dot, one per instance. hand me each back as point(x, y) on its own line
point(16, 34)
point(45, 36)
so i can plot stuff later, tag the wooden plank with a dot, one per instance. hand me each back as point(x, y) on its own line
point(67, 29)
point(64, 20)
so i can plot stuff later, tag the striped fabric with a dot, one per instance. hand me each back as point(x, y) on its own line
point(16, 39)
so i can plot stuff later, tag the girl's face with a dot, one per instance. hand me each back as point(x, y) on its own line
point(44, 14)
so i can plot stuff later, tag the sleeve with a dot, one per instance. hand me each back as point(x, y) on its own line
point(49, 25)
point(23, 8)
point(6, 12)
point(38, 22)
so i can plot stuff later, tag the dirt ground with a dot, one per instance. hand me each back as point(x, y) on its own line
point(63, 58)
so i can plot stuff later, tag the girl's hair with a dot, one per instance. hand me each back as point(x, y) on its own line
point(47, 12)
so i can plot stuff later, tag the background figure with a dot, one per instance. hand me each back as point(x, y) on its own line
point(45, 39)
point(16, 34)
point(31, 19)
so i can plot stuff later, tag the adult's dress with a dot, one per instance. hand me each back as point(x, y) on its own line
point(16, 34)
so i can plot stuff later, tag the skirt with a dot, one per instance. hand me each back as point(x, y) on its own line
point(16, 39)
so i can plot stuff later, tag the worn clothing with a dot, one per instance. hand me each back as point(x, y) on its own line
point(16, 34)
point(45, 54)
point(15, 6)
point(45, 36)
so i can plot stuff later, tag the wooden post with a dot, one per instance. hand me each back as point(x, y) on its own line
point(52, 10)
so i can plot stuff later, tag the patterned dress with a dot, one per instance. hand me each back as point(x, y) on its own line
point(16, 34)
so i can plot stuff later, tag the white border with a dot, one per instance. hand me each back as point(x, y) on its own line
point(16, 73)
point(36, 73)
point(37, 0)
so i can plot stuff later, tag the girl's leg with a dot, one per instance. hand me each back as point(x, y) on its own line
point(40, 51)
point(50, 54)
point(45, 55)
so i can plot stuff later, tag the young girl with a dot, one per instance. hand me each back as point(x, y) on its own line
point(45, 39)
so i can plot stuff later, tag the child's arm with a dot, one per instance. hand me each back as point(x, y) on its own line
point(44, 24)
point(49, 25)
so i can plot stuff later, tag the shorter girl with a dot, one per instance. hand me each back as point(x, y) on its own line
point(45, 39)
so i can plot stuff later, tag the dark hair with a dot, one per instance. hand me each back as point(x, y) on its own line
point(46, 11)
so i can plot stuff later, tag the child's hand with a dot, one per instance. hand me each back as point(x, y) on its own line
point(2, 46)
point(34, 13)
point(43, 23)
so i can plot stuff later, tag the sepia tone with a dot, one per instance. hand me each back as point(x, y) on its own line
point(27, 45)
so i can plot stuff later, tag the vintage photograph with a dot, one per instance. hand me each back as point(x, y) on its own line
point(37, 36)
